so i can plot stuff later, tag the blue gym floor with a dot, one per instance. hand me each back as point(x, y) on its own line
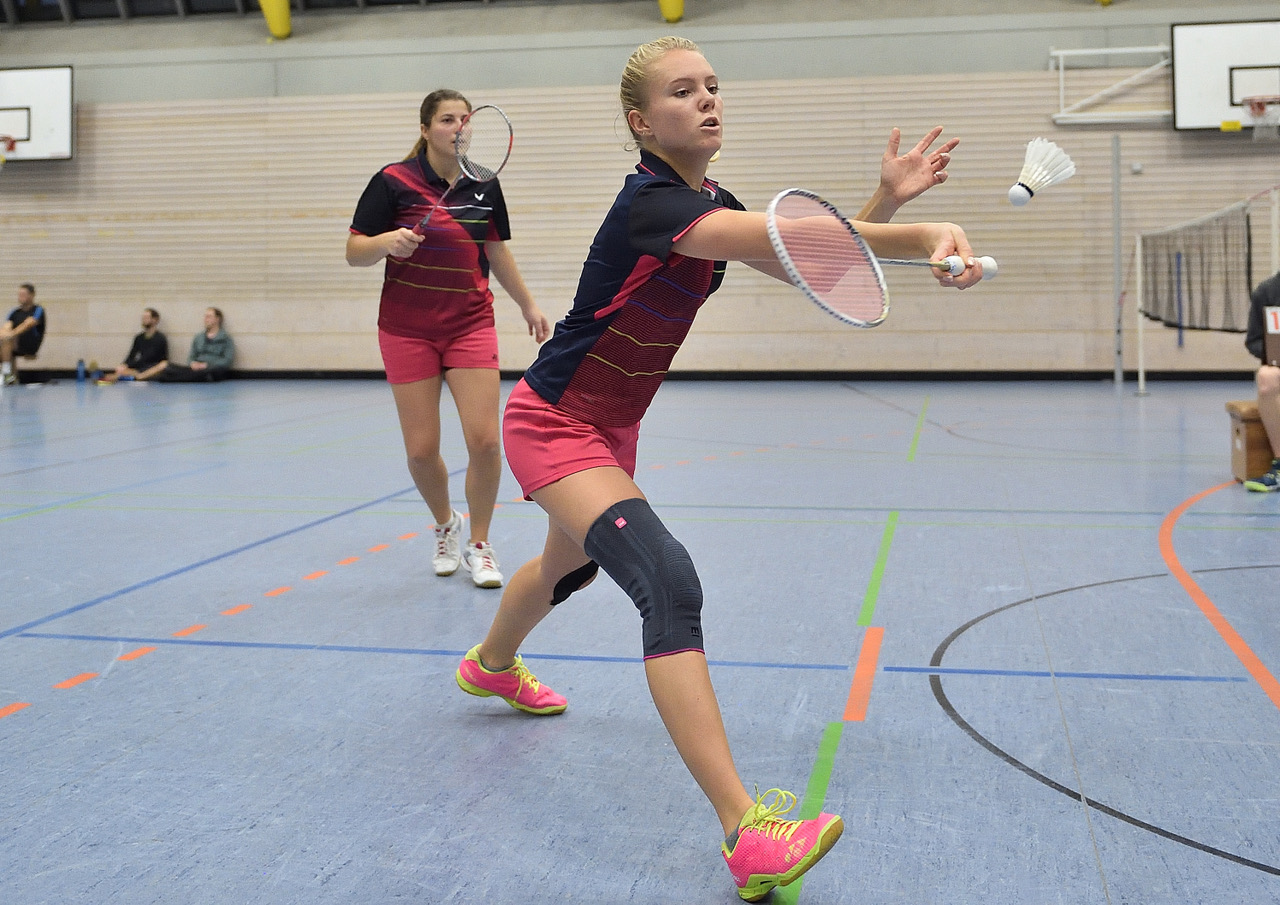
point(1022, 636)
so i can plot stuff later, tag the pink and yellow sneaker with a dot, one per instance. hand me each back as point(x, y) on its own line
point(767, 851)
point(515, 685)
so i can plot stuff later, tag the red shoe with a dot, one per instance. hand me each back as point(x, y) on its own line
point(769, 851)
point(515, 685)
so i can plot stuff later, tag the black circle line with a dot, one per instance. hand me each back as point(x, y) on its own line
point(935, 683)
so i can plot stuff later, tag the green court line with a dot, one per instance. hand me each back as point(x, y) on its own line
point(877, 573)
point(815, 795)
point(915, 440)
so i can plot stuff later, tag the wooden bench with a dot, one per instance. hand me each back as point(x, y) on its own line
point(1250, 449)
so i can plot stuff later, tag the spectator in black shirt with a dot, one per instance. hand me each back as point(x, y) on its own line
point(150, 348)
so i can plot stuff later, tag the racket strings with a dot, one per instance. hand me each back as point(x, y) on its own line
point(831, 260)
point(483, 144)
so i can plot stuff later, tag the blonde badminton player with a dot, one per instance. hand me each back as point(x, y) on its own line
point(572, 424)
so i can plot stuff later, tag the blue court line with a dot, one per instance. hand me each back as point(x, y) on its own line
point(1038, 674)
point(195, 565)
point(418, 651)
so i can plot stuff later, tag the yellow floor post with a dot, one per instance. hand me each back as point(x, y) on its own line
point(277, 15)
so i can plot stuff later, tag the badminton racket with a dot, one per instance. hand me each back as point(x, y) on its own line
point(482, 147)
point(826, 259)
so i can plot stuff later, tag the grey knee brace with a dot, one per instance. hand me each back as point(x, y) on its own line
point(638, 552)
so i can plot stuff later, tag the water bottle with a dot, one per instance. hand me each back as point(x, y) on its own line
point(80, 371)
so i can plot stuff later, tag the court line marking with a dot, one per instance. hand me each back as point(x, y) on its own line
point(877, 571)
point(426, 652)
point(815, 795)
point(864, 674)
point(1045, 674)
point(1252, 662)
point(77, 680)
point(12, 709)
point(137, 586)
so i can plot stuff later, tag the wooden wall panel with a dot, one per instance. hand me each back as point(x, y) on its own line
point(244, 204)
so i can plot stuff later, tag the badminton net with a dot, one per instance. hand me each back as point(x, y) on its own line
point(1198, 275)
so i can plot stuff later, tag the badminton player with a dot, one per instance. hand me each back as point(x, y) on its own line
point(571, 427)
point(435, 320)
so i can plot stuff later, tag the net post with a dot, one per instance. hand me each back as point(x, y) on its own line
point(1139, 290)
point(1275, 229)
point(1117, 259)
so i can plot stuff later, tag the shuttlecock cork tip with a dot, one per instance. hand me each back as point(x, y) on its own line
point(1019, 195)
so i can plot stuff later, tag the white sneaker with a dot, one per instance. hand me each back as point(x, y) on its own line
point(448, 543)
point(481, 562)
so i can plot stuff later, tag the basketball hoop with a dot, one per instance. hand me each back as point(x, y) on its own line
point(7, 145)
point(1265, 111)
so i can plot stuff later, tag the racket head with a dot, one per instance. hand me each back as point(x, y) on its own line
point(483, 143)
point(826, 259)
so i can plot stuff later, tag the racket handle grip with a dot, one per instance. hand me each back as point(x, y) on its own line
point(954, 265)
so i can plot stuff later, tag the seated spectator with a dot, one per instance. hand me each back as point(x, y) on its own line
point(20, 335)
point(212, 352)
point(1266, 295)
point(150, 347)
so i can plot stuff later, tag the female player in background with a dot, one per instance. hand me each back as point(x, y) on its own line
point(435, 320)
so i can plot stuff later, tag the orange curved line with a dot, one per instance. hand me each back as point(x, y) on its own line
point(1237, 644)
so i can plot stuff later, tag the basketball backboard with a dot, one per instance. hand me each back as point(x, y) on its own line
point(37, 108)
point(1216, 65)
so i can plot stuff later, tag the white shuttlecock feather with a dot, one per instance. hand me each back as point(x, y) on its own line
point(1046, 164)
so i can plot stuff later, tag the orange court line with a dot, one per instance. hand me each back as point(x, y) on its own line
point(378, 548)
point(237, 609)
point(189, 630)
point(12, 709)
point(1251, 661)
point(409, 536)
point(348, 561)
point(855, 709)
point(135, 654)
point(314, 575)
point(276, 592)
point(76, 680)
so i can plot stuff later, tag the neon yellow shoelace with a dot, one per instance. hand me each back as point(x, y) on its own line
point(525, 677)
point(766, 814)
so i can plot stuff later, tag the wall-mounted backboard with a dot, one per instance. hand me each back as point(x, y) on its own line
point(1216, 65)
point(37, 108)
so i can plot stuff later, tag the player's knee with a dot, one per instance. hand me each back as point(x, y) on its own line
point(632, 545)
point(1268, 380)
point(575, 581)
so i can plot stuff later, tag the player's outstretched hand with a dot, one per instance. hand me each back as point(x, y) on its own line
point(907, 176)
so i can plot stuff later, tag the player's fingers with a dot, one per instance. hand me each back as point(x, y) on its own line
point(895, 139)
point(929, 139)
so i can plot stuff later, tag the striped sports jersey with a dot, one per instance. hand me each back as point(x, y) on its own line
point(442, 290)
point(635, 303)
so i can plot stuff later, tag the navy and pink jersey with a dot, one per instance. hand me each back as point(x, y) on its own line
point(635, 303)
point(441, 291)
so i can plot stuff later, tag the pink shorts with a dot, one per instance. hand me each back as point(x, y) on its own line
point(543, 444)
point(408, 359)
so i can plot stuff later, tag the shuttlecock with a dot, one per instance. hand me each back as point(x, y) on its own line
point(1046, 164)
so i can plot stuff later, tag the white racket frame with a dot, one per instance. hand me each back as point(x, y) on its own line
point(793, 274)
point(461, 155)
point(464, 164)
